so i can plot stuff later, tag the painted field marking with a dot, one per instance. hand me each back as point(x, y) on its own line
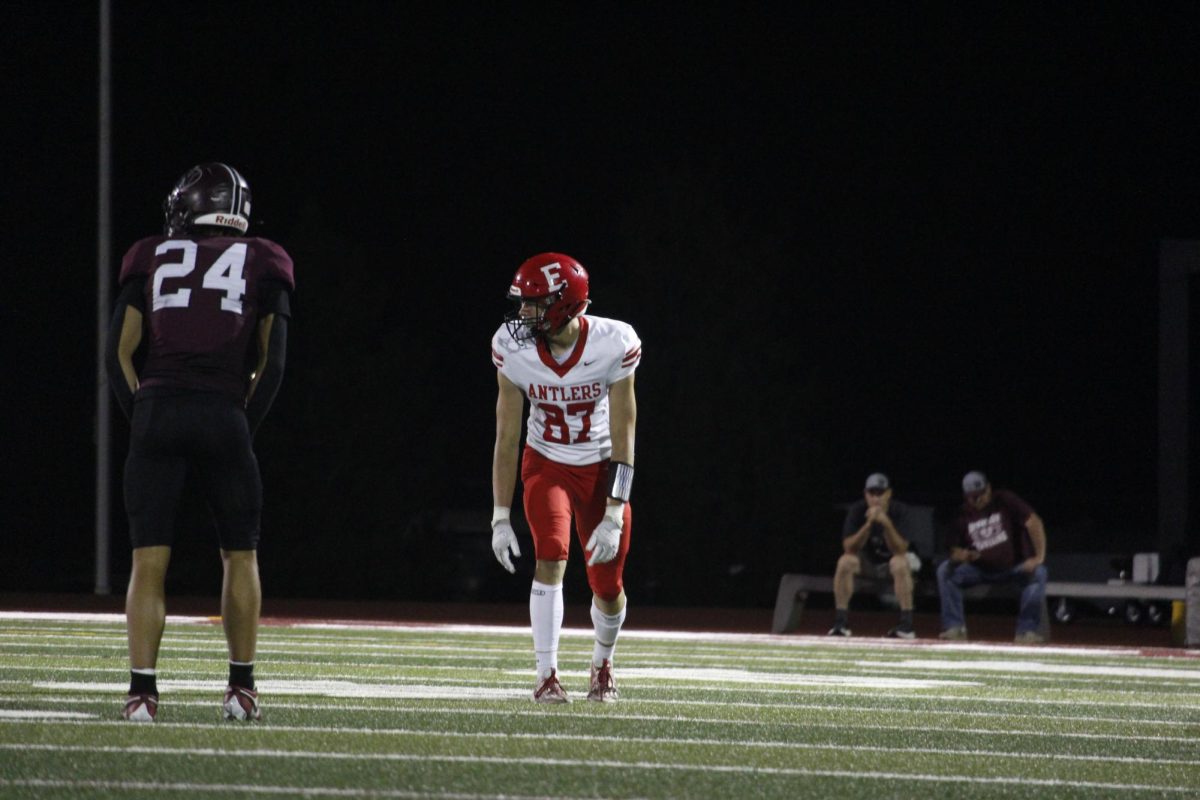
point(612, 714)
point(620, 716)
point(242, 789)
point(723, 743)
point(38, 714)
point(713, 674)
point(488, 691)
point(406, 656)
point(1010, 666)
point(506, 761)
point(522, 630)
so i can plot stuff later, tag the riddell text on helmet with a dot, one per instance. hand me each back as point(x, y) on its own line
point(232, 222)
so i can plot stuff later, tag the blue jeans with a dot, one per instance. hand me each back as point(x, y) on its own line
point(953, 578)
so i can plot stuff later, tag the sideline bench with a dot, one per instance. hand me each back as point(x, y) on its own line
point(794, 589)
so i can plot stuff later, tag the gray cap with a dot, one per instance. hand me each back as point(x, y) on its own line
point(877, 480)
point(974, 481)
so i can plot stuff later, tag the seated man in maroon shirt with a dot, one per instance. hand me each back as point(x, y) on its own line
point(997, 538)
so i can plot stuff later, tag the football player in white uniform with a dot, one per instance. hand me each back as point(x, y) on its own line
point(576, 371)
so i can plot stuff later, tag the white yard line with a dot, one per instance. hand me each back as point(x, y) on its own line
point(520, 679)
point(740, 676)
point(40, 714)
point(841, 725)
point(1039, 667)
point(84, 616)
point(485, 651)
point(522, 630)
point(415, 639)
point(874, 674)
point(800, 684)
point(406, 691)
point(507, 761)
point(1125, 722)
point(356, 687)
point(227, 789)
point(1104, 758)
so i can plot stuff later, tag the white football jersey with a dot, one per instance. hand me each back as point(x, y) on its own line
point(568, 401)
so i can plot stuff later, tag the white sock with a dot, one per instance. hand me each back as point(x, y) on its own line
point(546, 615)
point(607, 629)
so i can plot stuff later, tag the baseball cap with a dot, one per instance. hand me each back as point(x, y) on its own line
point(877, 480)
point(974, 481)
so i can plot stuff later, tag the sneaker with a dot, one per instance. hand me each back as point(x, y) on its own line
point(241, 704)
point(1029, 637)
point(902, 632)
point(957, 634)
point(140, 707)
point(604, 688)
point(839, 630)
point(550, 690)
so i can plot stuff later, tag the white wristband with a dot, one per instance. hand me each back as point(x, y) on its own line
point(499, 514)
point(615, 512)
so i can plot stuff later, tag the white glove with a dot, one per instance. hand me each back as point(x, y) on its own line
point(606, 539)
point(504, 538)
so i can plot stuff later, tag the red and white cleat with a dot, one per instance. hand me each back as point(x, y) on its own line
point(550, 690)
point(603, 688)
point(241, 704)
point(140, 707)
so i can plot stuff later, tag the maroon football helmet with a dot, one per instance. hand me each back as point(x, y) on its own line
point(210, 198)
point(557, 285)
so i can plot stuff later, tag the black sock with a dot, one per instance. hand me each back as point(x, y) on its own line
point(839, 617)
point(241, 675)
point(906, 617)
point(142, 683)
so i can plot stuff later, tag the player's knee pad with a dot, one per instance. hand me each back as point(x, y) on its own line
point(605, 581)
point(550, 548)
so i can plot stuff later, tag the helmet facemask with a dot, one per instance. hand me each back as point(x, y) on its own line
point(527, 327)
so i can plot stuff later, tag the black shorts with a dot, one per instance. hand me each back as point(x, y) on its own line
point(198, 436)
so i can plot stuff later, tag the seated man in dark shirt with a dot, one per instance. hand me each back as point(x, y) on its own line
point(997, 538)
point(875, 541)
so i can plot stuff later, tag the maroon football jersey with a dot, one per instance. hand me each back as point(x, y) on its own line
point(998, 532)
point(203, 299)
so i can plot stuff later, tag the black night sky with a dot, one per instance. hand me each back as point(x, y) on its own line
point(920, 239)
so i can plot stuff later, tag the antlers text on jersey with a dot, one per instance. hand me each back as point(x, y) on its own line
point(565, 394)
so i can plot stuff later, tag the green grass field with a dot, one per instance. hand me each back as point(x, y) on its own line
point(444, 712)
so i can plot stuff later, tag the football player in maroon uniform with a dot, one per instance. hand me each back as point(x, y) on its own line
point(195, 355)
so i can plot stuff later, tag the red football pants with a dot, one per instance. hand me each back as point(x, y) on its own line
point(553, 494)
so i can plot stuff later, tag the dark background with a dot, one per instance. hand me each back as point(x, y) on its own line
point(921, 240)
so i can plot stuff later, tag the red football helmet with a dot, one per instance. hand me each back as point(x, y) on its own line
point(556, 285)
